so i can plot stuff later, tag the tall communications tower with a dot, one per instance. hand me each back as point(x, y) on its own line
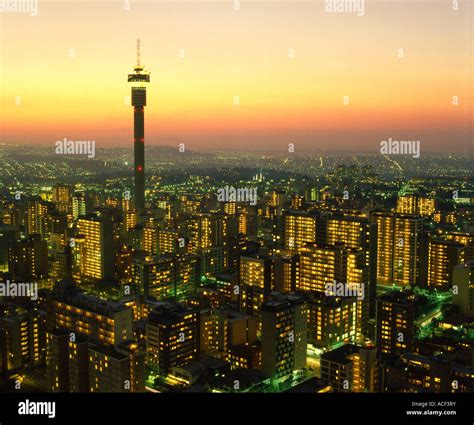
point(139, 79)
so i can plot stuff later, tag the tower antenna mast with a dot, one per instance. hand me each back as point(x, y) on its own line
point(138, 53)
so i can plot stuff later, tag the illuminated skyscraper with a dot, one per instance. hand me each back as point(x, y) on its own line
point(416, 204)
point(322, 266)
point(395, 322)
point(61, 198)
point(284, 336)
point(207, 231)
point(76, 323)
point(230, 207)
point(406, 248)
point(354, 232)
point(103, 322)
point(297, 202)
point(256, 277)
point(331, 320)
point(277, 198)
point(97, 259)
point(172, 336)
point(139, 79)
point(167, 276)
point(150, 240)
point(438, 259)
point(463, 296)
point(78, 205)
point(38, 218)
point(168, 241)
point(398, 240)
point(407, 204)
point(129, 220)
point(25, 338)
point(466, 239)
point(300, 228)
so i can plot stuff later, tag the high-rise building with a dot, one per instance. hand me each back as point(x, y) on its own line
point(167, 276)
point(78, 365)
point(169, 241)
point(207, 231)
point(25, 338)
point(118, 369)
point(28, 258)
point(139, 79)
point(395, 322)
point(350, 368)
point(407, 204)
point(38, 218)
point(90, 344)
point(354, 232)
point(229, 207)
point(463, 289)
point(398, 240)
point(150, 240)
point(78, 206)
point(466, 239)
point(57, 360)
point(10, 215)
point(284, 330)
point(62, 198)
point(438, 257)
point(320, 265)
point(331, 320)
point(94, 238)
point(416, 204)
point(212, 261)
point(256, 281)
point(221, 329)
point(172, 333)
point(433, 374)
point(8, 236)
point(300, 229)
point(277, 198)
point(325, 268)
point(129, 220)
point(99, 321)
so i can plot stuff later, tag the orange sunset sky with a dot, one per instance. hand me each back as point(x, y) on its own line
point(80, 94)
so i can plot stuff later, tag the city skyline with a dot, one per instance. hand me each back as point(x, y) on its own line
point(272, 199)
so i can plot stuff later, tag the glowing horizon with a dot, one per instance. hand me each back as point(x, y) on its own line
point(282, 98)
